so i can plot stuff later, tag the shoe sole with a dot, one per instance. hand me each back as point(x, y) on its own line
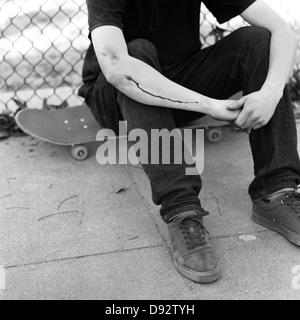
point(200, 277)
point(291, 236)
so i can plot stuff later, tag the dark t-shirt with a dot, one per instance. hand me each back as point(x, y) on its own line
point(171, 25)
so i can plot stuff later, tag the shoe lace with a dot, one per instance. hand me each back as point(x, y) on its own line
point(194, 231)
point(292, 200)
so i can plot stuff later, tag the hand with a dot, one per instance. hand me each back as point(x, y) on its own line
point(256, 110)
point(218, 110)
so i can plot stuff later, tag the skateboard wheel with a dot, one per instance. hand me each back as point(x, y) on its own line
point(79, 152)
point(214, 135)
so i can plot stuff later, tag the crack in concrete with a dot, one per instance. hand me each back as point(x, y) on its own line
point(57, 214)
point(5, 196)
point(79, 257)
point(217, 203)
point(15, 208)
point(64, 201)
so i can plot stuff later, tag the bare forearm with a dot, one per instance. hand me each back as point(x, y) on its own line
point(282, 58)
point(144, 84)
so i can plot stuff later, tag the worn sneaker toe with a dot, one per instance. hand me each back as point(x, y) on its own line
point(201, 261)
point(193, 255)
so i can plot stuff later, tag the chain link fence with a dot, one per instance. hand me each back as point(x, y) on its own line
point(42, 47)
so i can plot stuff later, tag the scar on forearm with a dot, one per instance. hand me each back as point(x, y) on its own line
point(129, 78)
point(110, 53)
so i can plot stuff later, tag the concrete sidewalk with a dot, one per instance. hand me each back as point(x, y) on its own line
point(67, 233)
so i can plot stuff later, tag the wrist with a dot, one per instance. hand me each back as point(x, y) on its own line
point(273, 90)
point(201, 104)
point(207, 105)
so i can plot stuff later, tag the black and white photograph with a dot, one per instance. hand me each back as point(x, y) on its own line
point(149, 152)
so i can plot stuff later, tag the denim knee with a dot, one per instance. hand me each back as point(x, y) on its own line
point(255, 40)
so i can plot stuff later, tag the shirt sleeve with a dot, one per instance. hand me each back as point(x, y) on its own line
point(106, 12)
point(224, 10)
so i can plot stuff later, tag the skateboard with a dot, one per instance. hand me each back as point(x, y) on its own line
point(74, 127)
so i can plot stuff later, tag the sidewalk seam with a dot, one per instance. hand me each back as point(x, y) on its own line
point(80, 257)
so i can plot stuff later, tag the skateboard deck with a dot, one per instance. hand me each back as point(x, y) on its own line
point(74, 127)
point(70, 126)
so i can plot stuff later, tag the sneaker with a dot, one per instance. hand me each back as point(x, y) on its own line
point(281, 213)
point(193, 255)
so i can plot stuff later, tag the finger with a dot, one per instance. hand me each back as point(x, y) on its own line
point(252, 126)
point(250, 123)
point(242, 119)
point(232, 123)
point(236, 105)
point(248, 131)
point(247, 124)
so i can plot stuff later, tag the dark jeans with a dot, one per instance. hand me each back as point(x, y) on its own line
point(238, 62)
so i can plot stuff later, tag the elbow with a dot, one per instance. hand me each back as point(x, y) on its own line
point(113, 65)
point(115, 79)
point(113, 74)
point(112, 78)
